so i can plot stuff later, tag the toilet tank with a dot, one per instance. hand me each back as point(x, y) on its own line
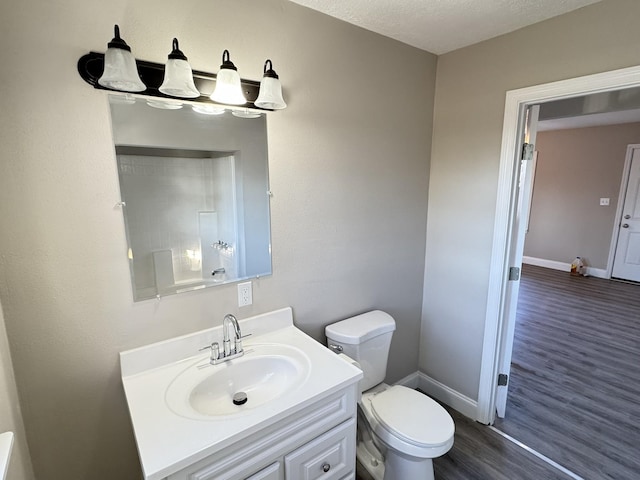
point(366, 338)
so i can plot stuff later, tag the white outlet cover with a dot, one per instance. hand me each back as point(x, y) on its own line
point(604, 202)
point(245, 295)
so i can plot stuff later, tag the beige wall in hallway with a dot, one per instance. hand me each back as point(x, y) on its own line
point(575, 168)
point(470, 96)
point(10, 414)
point(349, 172)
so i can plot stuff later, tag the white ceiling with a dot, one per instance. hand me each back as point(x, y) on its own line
point(440, 26)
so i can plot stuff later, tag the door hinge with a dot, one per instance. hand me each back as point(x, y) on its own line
point(514, 273)
point(527, 151)
point(503, 378)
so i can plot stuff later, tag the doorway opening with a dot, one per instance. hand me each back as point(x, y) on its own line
point(502, 296)
point(570, 374)
point(508, 242)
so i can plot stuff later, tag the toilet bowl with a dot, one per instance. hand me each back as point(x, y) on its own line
point(400, 430)
point(410, 428)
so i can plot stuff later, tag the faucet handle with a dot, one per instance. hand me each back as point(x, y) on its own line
point(215, 350)
point(238, 343)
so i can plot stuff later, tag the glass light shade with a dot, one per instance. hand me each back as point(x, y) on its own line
point(120, 69)
point(178, 76)
point(178, 80)
point(246, 113)
point(228, 87)
point(270, 95)
point(208, 109)
point(164, 103)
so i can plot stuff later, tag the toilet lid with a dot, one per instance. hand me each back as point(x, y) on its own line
point(412, 416)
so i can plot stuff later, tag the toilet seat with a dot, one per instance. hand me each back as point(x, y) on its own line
point(410, 422)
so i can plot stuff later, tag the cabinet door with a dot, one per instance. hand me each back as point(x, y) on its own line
point(330, 456)
point(272, 472)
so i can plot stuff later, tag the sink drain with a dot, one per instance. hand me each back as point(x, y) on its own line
point(240, 398)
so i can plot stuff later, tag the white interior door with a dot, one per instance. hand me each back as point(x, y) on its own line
point(626, 263)
point(519, 230)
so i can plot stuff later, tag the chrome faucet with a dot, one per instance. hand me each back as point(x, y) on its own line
point(230, 329)
point(231, 321)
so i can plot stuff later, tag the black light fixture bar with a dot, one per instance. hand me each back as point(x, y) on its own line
point(91, 66)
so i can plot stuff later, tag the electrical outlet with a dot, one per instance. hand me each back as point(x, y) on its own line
point(604, 202)
point(245, 297)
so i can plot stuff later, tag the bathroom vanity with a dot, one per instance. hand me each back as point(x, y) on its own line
point(298, 423)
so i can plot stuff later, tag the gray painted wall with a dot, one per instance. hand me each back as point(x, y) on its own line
point(470, 96)
point(575, 168)
point(349, 171)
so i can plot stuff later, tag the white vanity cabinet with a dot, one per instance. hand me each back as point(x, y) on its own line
point(317, 442)
point(299, 424)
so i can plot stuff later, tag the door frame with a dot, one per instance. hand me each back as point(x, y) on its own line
point(524, 195)
point(497, 320)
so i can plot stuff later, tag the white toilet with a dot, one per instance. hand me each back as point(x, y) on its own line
point(400, 430)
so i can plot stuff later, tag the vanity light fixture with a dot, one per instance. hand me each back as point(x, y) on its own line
point(178, 77)
point(270, 95)
point(120, 70)
point(228, 89)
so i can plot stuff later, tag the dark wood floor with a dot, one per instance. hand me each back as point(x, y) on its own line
point(574, 392)
point(479, 453)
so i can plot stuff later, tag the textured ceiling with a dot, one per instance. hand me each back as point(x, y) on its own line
point(440, 26)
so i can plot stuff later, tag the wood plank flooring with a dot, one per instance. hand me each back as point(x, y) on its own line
point(479, 453)
point(574, 391)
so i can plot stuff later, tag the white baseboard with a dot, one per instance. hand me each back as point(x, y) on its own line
point(412, 381)
point(541, 262)
point(565, 267)
point(442, 393)
point(597, 272)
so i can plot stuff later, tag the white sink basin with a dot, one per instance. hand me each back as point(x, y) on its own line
point(264, 373)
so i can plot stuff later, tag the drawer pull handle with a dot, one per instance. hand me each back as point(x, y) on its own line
point(326, 467)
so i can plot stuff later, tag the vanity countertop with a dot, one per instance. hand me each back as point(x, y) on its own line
point(167, 441)
point(6, 442)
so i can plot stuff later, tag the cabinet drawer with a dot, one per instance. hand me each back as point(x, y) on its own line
point(330, 456)
point(272, 472)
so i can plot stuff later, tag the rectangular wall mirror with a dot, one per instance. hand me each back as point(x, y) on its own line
point(195, 194)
